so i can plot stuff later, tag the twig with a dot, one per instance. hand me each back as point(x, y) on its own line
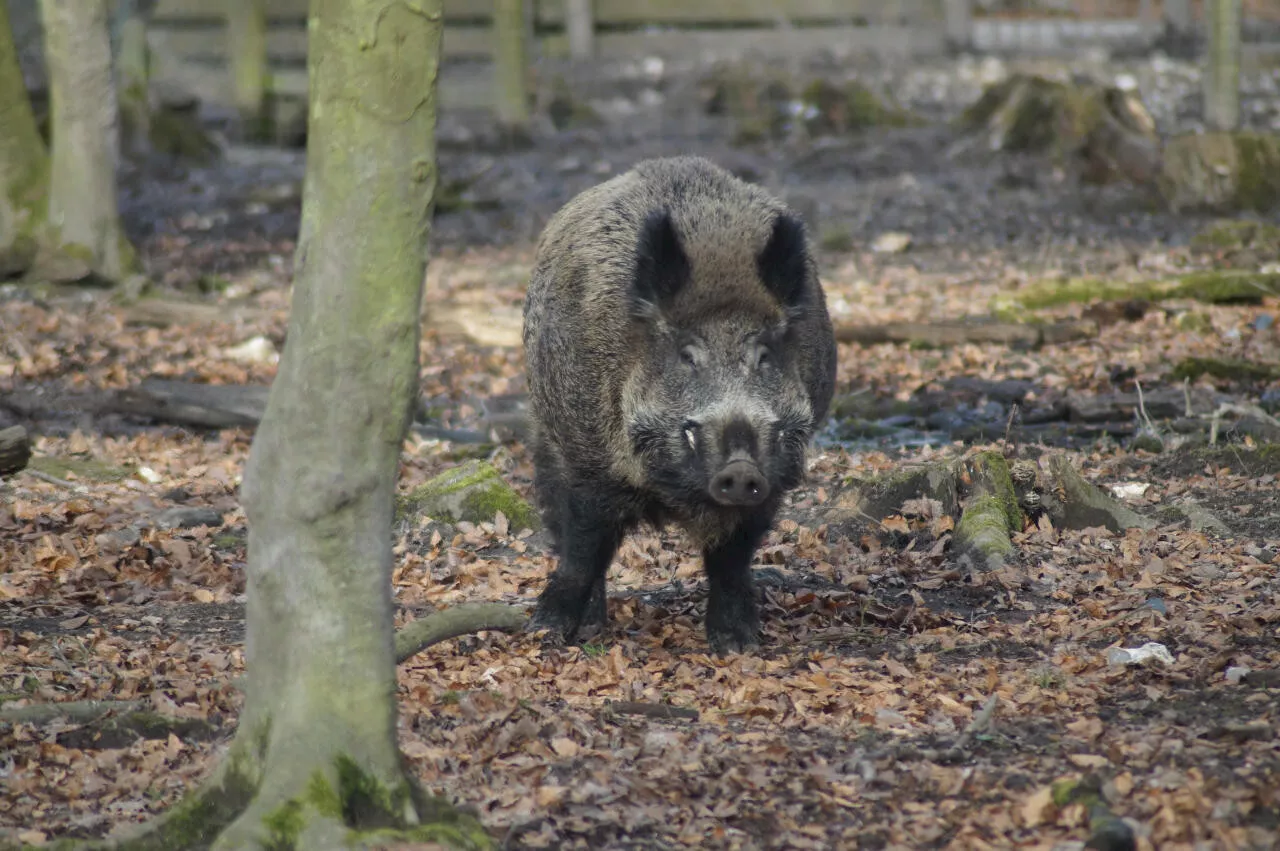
point(980, 723)
point(1244, 411)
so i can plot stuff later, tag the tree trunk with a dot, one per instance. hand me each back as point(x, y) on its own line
point(1222, 75)
point(315, 760)
point(320, 709)
point(24, 165)
point(247, 45)
point(83, 218)
point(510, 94)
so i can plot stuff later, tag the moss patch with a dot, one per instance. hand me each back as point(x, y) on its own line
point(80, 469)
point(474, 492)
point(1209, 287)
point(1232, 369)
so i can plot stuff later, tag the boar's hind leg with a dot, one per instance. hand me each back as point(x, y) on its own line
point(733, 621)
point(590, 531)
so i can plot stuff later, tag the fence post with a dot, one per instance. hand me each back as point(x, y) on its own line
point(580, 26)
point(1222, 71)
point(1179, 28)
point(510, 64)
point(958, 21)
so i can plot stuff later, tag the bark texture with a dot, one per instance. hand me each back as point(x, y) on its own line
point(83, 216)
point(509, 64)
point(247, 46)
point(24, 165)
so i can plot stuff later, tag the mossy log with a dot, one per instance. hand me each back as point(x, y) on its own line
point(989, 499)
point(15, 450)
point(982, 330)
point(1213, 287)
point(1104, 129)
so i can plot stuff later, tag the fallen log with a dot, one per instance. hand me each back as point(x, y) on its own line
point(15, 450)
point(984, 330)
point(200, 405)
point(161, 313)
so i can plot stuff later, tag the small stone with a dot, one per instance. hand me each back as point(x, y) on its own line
point(891, 242)
point(188, 518)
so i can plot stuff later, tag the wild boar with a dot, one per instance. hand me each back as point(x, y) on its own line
point(679, 357)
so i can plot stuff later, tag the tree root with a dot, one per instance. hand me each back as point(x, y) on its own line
point(452, 622)
point(991, 499)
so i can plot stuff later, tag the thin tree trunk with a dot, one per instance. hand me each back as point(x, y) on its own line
point(319, 485)
point(83, 216)
point(509, 64)
point(247, 49)
point(1222, 75)
point(24, 165)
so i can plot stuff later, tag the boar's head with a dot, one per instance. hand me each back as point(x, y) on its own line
point(716, 409)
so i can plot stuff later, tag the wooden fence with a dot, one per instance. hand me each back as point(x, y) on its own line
point(189, 36)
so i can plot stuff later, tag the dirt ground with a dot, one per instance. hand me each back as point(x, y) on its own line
point(866, 719)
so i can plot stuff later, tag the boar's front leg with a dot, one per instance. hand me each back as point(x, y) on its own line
point(591, 528)
point(733, 619)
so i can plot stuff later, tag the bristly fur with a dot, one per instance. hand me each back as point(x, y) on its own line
point(674, 325)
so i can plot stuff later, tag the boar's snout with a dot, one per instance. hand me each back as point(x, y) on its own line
point(740, 483)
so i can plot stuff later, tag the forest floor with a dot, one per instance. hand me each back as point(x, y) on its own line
point(123, 552)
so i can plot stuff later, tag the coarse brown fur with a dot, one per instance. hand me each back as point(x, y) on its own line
point(671, 305)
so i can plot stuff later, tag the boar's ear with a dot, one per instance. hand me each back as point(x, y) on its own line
point(784, 261)
point(662, 268)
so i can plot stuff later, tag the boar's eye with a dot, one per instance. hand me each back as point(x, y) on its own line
point(764, 357)
point(687, 356)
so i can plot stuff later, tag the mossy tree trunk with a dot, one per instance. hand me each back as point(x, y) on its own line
point(315, 760)
point(511, 98)
point(83, 217)
point(24, 163)
point(1222, 74)
point(247, 46)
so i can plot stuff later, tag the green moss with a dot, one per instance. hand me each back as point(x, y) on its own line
point(284, 826)
point(474, 491)
point(1222, 287)
point(984, 526)
point(1233, 369)
point(89, 469)
point(1237, 234)
point(1225, 287)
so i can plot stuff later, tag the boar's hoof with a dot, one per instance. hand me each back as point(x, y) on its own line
point(740, 483)
point(736, 631)
point(737, 638)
